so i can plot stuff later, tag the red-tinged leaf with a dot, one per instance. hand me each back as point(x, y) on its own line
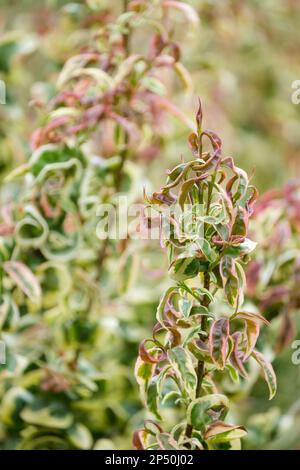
point(268, 371)
point(237, 356)
point(237, 191)
point(199, 116)
point(215, 141)
point(252, 333)
point(193, 143)
point(252, 328)
point(251, 316)
point(252, 199)
point(139, 439)
point(218, 341)
point(230, 279)
point(175, 336)
point(151, 356)
point(163, 197)
point(240, 224)
point(219, 427)
point(186, 9)
point(143, 373)
point(152, 427)
point(24, 278)
point(187, 186)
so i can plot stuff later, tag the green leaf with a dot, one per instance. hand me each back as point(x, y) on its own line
point(47, 417)
point(80, 436)
point(13, 402)
point(162, 304)
point(152, 397)
point(244, 248)
point(185, 307)
point(223, 432)
point(187, 268)
point(268, 371)
point(197, 411)
point(182, 363)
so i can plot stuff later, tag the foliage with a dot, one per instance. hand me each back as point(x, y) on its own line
point(190, 342)
point(242, 58)
point(57, 295)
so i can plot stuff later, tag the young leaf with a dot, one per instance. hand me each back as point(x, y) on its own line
point(218, 342)
point(268, 371)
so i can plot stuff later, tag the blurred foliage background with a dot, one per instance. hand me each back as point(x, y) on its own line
point(242, 58)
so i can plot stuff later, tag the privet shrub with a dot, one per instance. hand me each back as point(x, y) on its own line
point(65, 383)
point(203, 211)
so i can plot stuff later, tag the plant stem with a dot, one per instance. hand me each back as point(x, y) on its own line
point(200, 369)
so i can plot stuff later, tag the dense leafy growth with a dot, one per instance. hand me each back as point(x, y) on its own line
point(193, 340)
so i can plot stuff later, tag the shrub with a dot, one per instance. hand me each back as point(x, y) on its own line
point(65, 382)
point(195, 339)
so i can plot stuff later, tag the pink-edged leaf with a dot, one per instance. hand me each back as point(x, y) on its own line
point(252, 333)
point(252, 328)
point(199, 116)
point(268, 371)
point(241, 221)
point(237, 356)
point(150, 356)
point(24, 278)
point(218, 342)
point(140, 438)
point(214, 139)
point(219, 427)
point(186, 9)
point(230, 279)
point(251, 316)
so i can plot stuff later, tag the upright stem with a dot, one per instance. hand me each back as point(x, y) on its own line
point(200, 369)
